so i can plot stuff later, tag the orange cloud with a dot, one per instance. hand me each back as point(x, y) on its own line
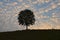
point(41, 26)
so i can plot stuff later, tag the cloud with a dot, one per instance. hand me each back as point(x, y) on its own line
point(56, 15)
point(46, 10)
point(57, 27)
point(14, 3)
point(41, 16)
point(27, 6)
point(1, 3)
point(53, 15)
point(54, 19)
point(47, 1)
point(41, 10)
point(1, 10)
point(58, 3)
point(53, 5)
point(20, 0)
point(10, 12)
point(35, 2)
point(41, 26)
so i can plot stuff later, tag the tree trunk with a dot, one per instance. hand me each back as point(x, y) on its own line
point(26, 27)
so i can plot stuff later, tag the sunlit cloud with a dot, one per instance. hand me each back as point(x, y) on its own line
point(41, 16)
point(47, 1)
point(41, 26)
point(46, 10)
point(53, 15)
point(57, 27)
point(41, 10)
point(14, 3)
point(1, 3)
point(41, 1)
point(56, 15)
point(9, 11)
point(58, 3)
point(54, 19)
point(27, 5)
point(20, 0)
point(53, 5)
point(1, 9)
point(6, 0)
point(34, 2)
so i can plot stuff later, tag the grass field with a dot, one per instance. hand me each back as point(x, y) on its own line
point(30, 34)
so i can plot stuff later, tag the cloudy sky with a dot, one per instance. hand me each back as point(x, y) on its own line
point(47, 14)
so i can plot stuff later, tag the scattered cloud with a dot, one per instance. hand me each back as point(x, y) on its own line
point(1, 3)
point(54, 19)
point(20, 0)
point(41, 26)
point(53, 5)
point(47, 1)
point(10, 12)
point(57, 27)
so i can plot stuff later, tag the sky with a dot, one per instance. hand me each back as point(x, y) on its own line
point(47, 14)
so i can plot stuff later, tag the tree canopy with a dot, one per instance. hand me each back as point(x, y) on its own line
point(26, 17)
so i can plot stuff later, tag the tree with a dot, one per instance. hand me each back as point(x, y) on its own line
point(26, 17)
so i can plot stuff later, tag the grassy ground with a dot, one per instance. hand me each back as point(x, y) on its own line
point(30, 34)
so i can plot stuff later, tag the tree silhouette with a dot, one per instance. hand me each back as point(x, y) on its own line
point(26, 17)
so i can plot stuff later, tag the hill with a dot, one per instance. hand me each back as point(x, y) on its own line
point(30, 34)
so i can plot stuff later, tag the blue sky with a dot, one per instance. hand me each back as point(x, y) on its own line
point(48, 9)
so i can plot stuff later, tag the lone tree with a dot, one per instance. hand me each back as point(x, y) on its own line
point(26, 17)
